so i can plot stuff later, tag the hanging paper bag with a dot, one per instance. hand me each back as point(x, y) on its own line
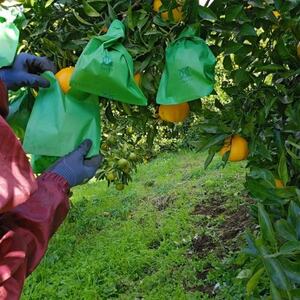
point(20, 107)
point(189, 70)
point(60, 122)
point(105, 68)
point(9, 38)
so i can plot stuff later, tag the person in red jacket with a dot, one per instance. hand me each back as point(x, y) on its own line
point(31, 209)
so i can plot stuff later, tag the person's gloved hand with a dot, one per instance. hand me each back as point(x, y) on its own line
point(75, 168)
point(25, 72)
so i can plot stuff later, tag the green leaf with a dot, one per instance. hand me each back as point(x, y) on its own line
point(233, 12)
point(111, 12)
point(264, 174)
point(207, 14)
point(290, 152)
point(266, 225)
point(290, 248)
point(89, 10)
point(276, 273)
point(251, 248)
point(282, 169)
point(282, 50)
point(291, 269)
point(213, 141)
point(273, 266)
point(208, 160)
point(275, 292)
point(227, 63)
point(253, 281)
point(241, 76)
point(294, 217)
point(48, 3)
point(260, 190)
point(247, 30)
point(130, 18)
point(232, 47)
point(270, 68)
point(81, 20)
point(285, 230)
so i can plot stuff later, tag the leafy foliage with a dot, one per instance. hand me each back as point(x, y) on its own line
point(257, 42)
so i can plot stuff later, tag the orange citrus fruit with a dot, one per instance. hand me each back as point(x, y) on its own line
point(279, 183)
point(238, 147)
point(276, 13)
point(64, 76)
point(138, 79)
point(174, 113)
point(177, 12)
point(104, 29)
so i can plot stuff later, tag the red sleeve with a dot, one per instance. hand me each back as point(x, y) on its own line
point(3, 100)
point(26, 231)
point(17, 181)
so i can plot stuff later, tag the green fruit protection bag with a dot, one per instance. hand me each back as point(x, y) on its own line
point(189, 70)
point(60, 122)
point(20, 107)
point(41, 163)
point(9, 38)
point(105, 68)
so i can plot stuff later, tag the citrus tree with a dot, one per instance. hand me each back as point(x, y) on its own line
point(258, 76)
point(257, 43)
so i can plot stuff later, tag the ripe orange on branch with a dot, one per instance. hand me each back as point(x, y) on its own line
point(276, 13)
point(64, 76)
point(238, 148)
point(138, 79)
point(174, 113)
point(279, 183)
point(176, 12)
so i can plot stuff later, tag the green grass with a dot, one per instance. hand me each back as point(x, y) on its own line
point(149, 241)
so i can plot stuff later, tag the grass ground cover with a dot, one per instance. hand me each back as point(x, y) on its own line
point(172, 234)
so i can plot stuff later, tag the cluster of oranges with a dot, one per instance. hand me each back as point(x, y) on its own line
point(170, 113)
point(236, 145)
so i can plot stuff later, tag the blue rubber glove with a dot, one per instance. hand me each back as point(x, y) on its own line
point(25, 72)
point(75, 168)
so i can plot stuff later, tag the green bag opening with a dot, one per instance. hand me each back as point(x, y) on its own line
point(105, 68)
point(189, 70)
point(40, 163)
point(60, 122)
point(20, 107)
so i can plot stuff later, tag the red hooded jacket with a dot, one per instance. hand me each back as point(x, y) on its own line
point(31, 210)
